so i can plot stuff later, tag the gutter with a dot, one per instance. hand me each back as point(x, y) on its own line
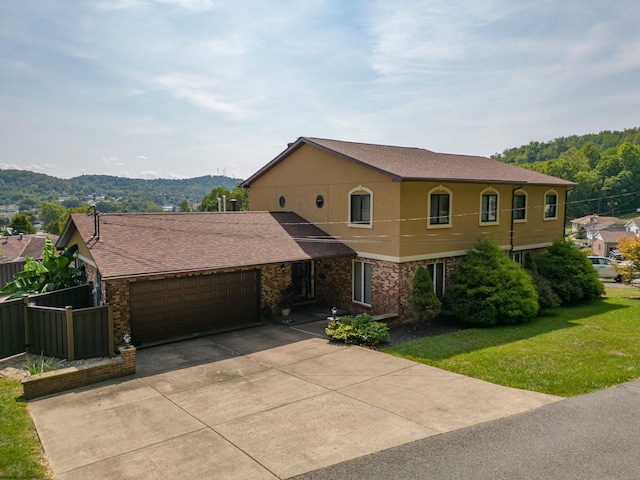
point(513, 197)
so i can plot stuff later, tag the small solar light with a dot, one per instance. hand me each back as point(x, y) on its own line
point(334, 312)
point(127, 340)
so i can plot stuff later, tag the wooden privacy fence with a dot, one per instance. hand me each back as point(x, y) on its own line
point(37, 324)
point(69, 333)
point(8, 270)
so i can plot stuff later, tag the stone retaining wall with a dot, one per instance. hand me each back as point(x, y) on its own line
point(57, 381)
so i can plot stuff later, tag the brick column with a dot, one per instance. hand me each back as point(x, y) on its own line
point(129, 359)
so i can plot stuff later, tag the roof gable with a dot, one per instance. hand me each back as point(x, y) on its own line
point(132, 244)
point(417, 164)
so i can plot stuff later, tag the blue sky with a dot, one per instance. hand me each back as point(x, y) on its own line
point(183, 88)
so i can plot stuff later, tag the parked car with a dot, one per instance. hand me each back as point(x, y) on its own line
point(615, 255)
point(605, 268)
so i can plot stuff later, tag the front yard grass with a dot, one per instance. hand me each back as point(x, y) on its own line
point(20, 451)
point(573, 351)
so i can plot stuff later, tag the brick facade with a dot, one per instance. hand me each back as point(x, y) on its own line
point(332, 287)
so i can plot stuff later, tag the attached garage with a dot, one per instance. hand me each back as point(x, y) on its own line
point(176, 275)
point(177, 307)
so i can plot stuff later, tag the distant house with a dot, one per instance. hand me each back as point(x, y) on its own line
point(633, 226)
point(596, 223)
point(604, 241)
point(400, 207)
point(14, 249)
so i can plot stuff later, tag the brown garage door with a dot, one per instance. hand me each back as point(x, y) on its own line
point(162, 309)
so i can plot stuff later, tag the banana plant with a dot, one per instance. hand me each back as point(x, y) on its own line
point(53, 272)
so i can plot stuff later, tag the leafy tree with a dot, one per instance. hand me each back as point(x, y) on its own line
point(424, 300)
point(241, 195)
point(53, 272)
point(630, 249)
point(20, 223)
point(50, 212)
point(184, 205)
point(570, 272)
point(490, 289)
point(210, 202)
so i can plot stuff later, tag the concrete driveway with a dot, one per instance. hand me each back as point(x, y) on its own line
point(264, 403)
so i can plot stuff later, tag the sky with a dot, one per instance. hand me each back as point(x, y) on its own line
point(185, 88)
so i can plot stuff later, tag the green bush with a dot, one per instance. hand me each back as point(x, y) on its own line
point(490, 289)
point(360, 330)
point(570, 273)
point(547, 297)
point(425, 302)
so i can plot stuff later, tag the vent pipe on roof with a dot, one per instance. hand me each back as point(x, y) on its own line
point(219, 204)
point(234, 205)
point(224, 203)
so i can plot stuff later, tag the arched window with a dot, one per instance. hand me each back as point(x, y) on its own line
point(519, 206)
point(551, 205)
point(489, 212)
point(440, 201)
point(361, 207)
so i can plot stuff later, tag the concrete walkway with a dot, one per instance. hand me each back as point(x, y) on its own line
point(265, 403)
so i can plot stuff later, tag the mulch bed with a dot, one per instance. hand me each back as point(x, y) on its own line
point(408, 332)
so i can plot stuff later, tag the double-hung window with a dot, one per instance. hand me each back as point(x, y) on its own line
point(550, 205)
point(362, 282)
point(360, 211)
point(520, 206)
point(439, 207)
point(489, 207)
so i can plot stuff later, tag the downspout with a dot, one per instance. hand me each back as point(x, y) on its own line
point(566, 202)
point(513, 198)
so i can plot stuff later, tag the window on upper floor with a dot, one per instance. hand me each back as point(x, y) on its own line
point(520, 206)
point(489, 206)
point(360, 207)
point(550, 205)
point(362, 282)
point(439, 207)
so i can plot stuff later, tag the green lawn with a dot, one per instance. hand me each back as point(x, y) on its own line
point(573, 351)
point(20, 451)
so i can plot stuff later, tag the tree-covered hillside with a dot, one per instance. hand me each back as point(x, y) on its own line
point(606, 167)
point(29, 189)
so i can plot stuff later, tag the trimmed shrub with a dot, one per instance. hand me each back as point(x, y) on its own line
point(570, 273)
point(359, 330)
point(547, 298)
point(426, 304)
point(490, 289)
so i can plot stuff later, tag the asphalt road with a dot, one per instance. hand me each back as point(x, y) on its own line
point(591, 437)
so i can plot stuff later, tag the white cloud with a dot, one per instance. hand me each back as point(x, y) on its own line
point(141, 157)
point(111, 161)
point(199, 91)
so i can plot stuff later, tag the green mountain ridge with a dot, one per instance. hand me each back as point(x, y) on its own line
point(29, 189)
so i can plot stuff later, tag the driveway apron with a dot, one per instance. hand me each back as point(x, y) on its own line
point(270, 402)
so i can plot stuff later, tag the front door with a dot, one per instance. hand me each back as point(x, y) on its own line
point(302, 281)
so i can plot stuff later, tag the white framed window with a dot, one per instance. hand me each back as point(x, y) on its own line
point(440, 200)
point(551, 205)
point(520, 206)
point(362, 282)
point(489, 214)
point(360, 207)
point(517, 257)
point(436, 270)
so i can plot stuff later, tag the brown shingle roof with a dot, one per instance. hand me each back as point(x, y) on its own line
point(16, 247)
point(417, 164)
point(134, 244)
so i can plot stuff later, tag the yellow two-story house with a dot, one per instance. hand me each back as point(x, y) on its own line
point(400, 207)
